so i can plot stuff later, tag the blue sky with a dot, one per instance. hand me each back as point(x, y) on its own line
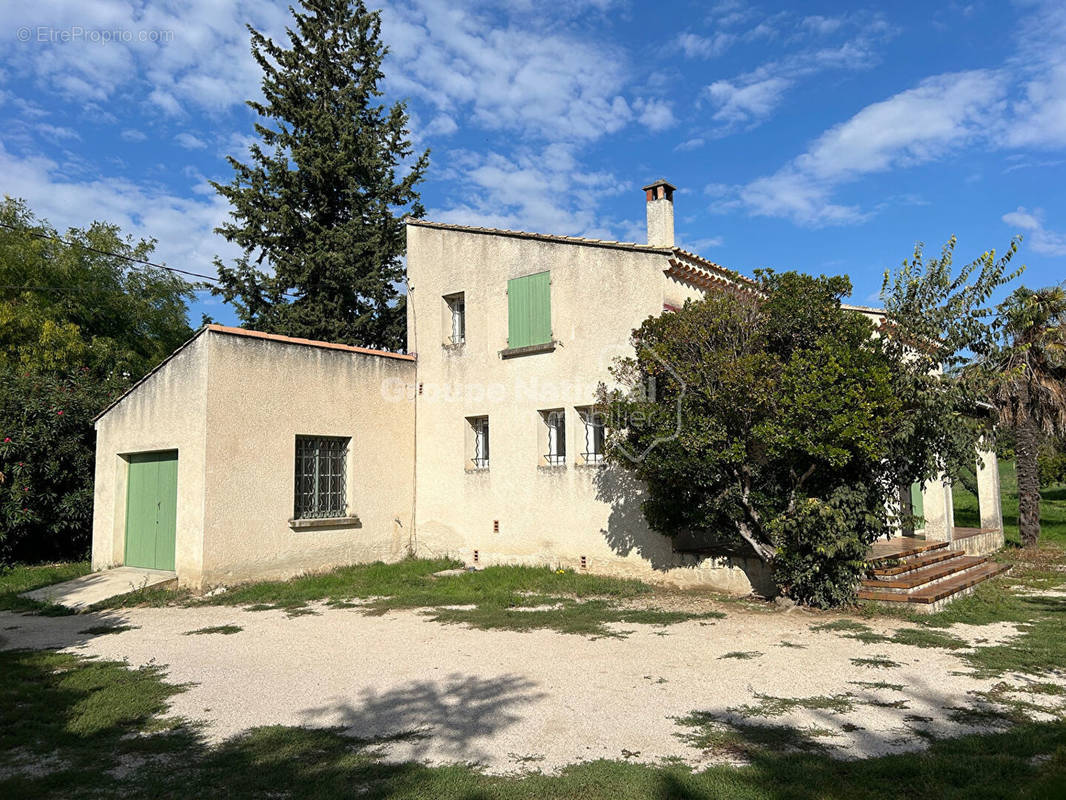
point(819, 136)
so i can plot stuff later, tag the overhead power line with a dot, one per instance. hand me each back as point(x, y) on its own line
point(130, 259)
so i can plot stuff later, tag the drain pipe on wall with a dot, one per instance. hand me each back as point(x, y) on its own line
point(412, 338)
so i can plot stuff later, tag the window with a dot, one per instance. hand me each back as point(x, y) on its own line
point(478, 441)
point(321, 464)
point(555, 438)
point(595, 441)
point(529, 310)
point(456, 318)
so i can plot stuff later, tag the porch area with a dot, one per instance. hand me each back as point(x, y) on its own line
point(924, 574)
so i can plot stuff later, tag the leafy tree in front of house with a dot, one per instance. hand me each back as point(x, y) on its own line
point(318, 209)
point(77, 327)
point(770, 420)
point(782, 420)
point(1026, 373)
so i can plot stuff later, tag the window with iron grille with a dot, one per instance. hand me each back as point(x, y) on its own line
point(321, 466)
point(595, 441)
point(555, 420)
point(479, 427)
point(457, 312)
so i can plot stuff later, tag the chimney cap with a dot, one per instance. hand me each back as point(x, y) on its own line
point(661, 182)
point(660, 190)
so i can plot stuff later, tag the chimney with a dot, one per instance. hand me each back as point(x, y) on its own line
point(660, 213)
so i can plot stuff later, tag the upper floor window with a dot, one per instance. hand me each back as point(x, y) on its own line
point(456, 318)
point(554, 437)
point(595, 439)
point(321, 467)
point(529, 310)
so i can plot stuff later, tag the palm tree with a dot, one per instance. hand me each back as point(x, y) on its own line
point(1028, 388)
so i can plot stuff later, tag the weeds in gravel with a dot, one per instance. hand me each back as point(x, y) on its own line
point(103, 630)
point(769, 706)
point(895, 687)
point(225, 630)
point(876, 662)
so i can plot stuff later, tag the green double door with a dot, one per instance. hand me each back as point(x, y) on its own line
point(151, 510)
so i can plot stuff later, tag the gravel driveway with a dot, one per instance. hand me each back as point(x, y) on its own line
point(541, 700)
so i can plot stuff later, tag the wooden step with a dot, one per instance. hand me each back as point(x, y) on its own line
point(902, 548)
point(928, 574)
point(923, 560)
point(932, 593)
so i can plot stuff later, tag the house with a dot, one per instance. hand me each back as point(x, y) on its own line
point(247, 456)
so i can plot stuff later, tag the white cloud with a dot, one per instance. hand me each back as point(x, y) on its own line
point(655, 115)
point(747, 100)
point(183, 226)
point(693, 45)
point(1040, 110)
point(56, 132)
point(1048, 243)
point(189, 141)
point(911, 127)
point(133, 135)
point(534, 81)
point(941, 114)
point(539, 189)
point(738, 104)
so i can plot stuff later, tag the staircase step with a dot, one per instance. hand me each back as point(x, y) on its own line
point(902, 548)
point(933, 593)
point(917, 562)
point(924, 575)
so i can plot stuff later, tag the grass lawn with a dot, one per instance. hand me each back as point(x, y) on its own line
point(1052, 508)
point(511, 598)
point(16, 580)
point(75, 728)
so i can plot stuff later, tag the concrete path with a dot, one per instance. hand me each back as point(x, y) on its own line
point(96, 586)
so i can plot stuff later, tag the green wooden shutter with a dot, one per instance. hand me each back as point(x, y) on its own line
point(917, 501)
point(529, 310)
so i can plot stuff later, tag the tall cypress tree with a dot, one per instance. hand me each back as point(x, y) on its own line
point(318, 211)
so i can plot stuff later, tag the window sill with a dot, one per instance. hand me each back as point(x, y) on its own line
point(475, 470)
point(528, 350)
point(325, 522)
point(589, 464)
point(550, 467)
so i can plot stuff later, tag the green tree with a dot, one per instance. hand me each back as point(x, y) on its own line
point(78, 325)
point(1026, 371)
point(318, 210)
point(771, 420)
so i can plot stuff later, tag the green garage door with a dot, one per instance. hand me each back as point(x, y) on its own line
point(151, 510)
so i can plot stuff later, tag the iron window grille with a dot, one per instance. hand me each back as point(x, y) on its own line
point(457, 306)
point(556, 422)
point(595, 440)
point(481, 442)
point(321, 466)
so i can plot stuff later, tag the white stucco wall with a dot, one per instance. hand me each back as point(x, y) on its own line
point(261, 395)
point(232, 406)
point(166, 412)
point(546, 515)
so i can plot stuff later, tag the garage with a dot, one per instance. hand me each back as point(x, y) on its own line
point(151, 509)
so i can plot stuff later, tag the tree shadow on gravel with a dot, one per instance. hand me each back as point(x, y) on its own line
point(444, 718)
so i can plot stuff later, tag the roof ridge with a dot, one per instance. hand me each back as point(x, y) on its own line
point(276, 337)
point(550, 237)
